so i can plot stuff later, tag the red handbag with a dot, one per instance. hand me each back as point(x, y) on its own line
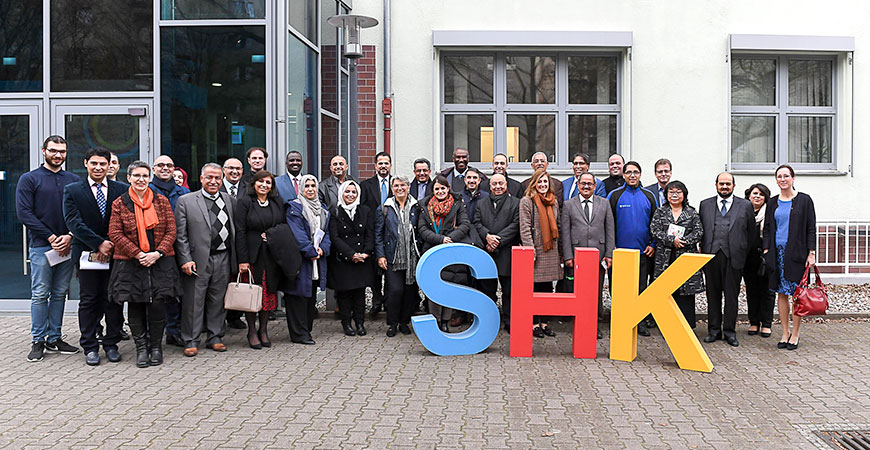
point(810, 300)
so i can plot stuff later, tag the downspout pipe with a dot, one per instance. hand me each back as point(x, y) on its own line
point(387, 104)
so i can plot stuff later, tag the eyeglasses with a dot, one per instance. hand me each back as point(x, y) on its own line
point(662, 172)
point(632, 173)
point(675, 193)
point(233, 168)
point(586, 184)
point(162, 165)
point(56, 151)
point(140, 176)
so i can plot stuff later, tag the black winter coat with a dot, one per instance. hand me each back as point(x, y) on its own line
point(349, 237)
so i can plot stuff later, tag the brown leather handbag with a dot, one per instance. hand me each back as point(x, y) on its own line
point(810, 300)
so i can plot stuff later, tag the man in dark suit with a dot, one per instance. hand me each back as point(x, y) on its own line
point(497, 222)
point(375, 191)
point(257, 160)
point(87, 209)
point(571, 185)
point(421, 187)
point(288, 184)
point(233, 183)
point(205, 250)
point(616, 179)
point(587, 221)
point(455, 175)
point(500, 165)
point(729, 224)
point(327, 191)
point(663, 177)
point(539, 161)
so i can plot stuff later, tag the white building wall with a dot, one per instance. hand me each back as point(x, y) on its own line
point(679, 79)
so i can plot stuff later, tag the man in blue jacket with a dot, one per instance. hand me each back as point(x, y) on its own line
point(571, 186)
point(633, 208)
point(39, 204)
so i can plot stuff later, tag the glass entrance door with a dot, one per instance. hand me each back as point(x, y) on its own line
point(122, 128)
point(19, 150)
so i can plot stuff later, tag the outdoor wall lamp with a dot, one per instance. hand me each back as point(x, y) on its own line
point(351, 24)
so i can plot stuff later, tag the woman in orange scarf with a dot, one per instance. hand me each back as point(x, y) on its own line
point(539, 228)
point(144, 273)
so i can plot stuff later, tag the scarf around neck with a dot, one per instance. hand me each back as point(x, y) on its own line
point(547, 218)
point(438, 210)
point(146, 216)
point(166, 187)
point(406, 249)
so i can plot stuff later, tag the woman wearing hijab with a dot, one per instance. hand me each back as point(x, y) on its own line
point(396, 249)
point(443, 220)
point(144, 274)
point(539, 228)
point(180, 177)
point(352, 234)
point(309, 223)
point(255, 213)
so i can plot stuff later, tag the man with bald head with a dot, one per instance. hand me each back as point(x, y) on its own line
point(233, 183)
point(328, 189)
point(497, 222)
point(456, 174)
point(616, 179)
point(540, 161)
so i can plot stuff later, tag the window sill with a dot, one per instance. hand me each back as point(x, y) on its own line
point(812, 172)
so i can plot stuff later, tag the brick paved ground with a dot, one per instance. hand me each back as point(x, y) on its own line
point(375, 392)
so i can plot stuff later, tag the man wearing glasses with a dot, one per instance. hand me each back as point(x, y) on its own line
point(663, 177)
point(233, 183)
point(633, 208)
point(571, 186)
point(163, 183)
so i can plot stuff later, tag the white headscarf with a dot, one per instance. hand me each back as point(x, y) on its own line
point(351, 208)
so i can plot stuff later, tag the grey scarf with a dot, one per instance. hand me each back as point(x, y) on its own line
point(406, 249)
point(313, 212)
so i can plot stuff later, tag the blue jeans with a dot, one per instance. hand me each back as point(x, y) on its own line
point(49, 287)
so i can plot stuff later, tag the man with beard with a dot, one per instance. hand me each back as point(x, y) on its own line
point(39, 205)
point(327, 191)
point(456, 173)
point(375, 191)
point(421, 187)
point(233, 183)
point(571, 186)
point(500, 166)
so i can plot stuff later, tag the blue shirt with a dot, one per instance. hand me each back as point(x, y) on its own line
point(781, 216)
point(39, 203)
point(632, 215)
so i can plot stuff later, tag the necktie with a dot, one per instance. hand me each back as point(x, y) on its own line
point(575, 189)
point(101, 199)
point(724, 209)
point(383, 190)
point(220, 231)
point(233, 191)
point(295, 185)
point(661, 196)
point(586, 210)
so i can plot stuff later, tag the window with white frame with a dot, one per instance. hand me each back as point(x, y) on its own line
point(783, 111)
point(520, 103)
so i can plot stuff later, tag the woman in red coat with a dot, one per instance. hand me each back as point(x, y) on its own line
point(144, 273)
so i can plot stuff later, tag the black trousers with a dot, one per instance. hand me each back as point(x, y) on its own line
point(545, 287)
point(759, 297)
point(147, 318)
point(686, 303)
point(351, 304)
point(232, 314)
point(490, 288)
point(401, 299)
point(377, 286)
point(300, 314)
point(722, 278)
point(93, 305)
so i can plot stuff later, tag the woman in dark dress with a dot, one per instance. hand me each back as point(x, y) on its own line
point(670, 246)
point(352, 232)
point(759, 297)
point(789, 247)
point(309, 222)
point(144, 274)
point(443, 220)
point(255, 213)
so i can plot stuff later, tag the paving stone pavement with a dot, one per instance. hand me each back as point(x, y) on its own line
point(379, 392)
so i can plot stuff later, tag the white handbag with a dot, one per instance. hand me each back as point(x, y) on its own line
point(247, 297)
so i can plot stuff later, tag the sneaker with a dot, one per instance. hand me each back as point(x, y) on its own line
point(59, 346)
point(37, 351)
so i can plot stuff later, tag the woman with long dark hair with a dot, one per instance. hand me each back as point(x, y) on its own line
point(759, 297)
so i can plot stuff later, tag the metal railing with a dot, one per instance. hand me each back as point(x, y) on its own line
point(843, 246)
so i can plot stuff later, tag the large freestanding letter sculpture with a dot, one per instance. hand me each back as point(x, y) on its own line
point(484, 328)
point(582, 304)
point(628, 309)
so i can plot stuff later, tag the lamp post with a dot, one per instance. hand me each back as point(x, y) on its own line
point(351, 25)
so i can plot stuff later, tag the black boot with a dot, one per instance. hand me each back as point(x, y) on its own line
point(155, 343)
point(141, 351)
point(360, 328)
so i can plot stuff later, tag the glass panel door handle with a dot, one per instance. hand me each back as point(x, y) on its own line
point(25, 255)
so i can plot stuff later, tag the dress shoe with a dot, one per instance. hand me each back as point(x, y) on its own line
point(548, 331)
point(537, 332)
point(348, 331)
point(391, 331)
point(752, 332)
point(783, 344)
point(174, 339)
point(113, 355)
point(256, 345)
point(732, 341)
point(236, 324)
point(218, 347)
point(765, 334)
point(793, 346)
point(191, 351)
point(264, 340)
point(642, 330)
point(599, 335)
point(404, 328)
point(308, 341)
point(92, 358)
point(712, 338)
point(360, 329)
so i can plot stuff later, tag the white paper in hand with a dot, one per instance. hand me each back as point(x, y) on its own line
point(54, 257)
point(318, 237)
point(89, 262)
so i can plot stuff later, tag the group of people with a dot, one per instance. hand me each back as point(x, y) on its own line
point(170, 253)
